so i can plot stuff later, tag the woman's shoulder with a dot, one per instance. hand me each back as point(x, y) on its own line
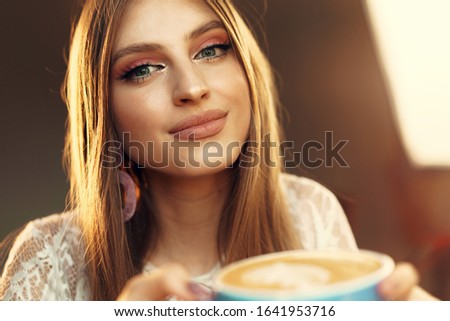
point(317, 214)
point(45, 260)
point(303, 188)
point(308, 198)
point(55, 229)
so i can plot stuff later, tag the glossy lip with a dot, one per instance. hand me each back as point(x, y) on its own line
point(200, 126)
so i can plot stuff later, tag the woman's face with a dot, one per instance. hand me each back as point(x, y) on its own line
point(179, 96)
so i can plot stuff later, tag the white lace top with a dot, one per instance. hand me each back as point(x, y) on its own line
point(46, 260)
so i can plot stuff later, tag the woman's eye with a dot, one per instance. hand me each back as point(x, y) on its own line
point(214, 51)
point(141, 73)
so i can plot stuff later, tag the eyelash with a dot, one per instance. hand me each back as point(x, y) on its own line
point(222, 46)
point(129, 75)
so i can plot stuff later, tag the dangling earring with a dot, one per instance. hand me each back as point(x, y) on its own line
point(130, 195)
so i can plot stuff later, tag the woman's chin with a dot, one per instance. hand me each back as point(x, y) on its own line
point(197, 169)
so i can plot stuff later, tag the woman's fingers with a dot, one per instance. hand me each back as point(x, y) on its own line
point(400, 284)
point(168, 281)
point(419, 294)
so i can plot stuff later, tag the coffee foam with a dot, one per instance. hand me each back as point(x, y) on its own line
point(297, 273)
point(286, 276)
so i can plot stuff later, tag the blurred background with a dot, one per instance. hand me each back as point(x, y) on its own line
point(333, 77)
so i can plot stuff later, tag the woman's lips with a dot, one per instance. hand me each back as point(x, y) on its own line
point(200, 126)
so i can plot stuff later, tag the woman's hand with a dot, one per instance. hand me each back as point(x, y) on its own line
point(402, 284)
point(170, 281)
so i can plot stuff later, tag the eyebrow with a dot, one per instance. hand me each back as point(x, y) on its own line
point(197, 32)
point(142, 47)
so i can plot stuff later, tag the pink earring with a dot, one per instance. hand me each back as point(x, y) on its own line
point(130, 195)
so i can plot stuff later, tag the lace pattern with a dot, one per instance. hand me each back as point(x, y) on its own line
point(46, 261)
point(318, 217)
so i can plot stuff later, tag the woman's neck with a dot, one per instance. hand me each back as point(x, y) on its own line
point(189, 211)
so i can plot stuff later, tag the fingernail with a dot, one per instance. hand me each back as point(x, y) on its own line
point(201, 292)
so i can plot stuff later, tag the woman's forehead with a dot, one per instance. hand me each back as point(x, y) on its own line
point(160, 21)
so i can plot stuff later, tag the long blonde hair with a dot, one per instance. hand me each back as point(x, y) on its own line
point(254, 223)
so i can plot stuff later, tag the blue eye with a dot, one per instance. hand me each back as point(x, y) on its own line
point(213, 51)
point(142, 72)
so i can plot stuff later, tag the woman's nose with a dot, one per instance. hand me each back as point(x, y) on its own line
point(190, 86)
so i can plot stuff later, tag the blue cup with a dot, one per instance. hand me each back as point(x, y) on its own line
point(305, 276)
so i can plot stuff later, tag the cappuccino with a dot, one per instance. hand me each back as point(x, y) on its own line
point(297, 272)
point(302, 274)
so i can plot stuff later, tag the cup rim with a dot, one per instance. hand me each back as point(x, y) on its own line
point(330, 290)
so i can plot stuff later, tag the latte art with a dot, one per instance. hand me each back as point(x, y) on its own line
point(286, 276)
point(297, 273)
point(305, 275)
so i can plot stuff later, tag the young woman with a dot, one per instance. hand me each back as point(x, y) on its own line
point(169, 103)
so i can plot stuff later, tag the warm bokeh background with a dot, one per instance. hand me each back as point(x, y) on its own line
point(330, 80)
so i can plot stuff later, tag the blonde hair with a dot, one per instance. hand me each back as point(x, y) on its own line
point(254, 223)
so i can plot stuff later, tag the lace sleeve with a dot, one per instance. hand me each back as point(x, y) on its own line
point(41, 264)
point(317, 215)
